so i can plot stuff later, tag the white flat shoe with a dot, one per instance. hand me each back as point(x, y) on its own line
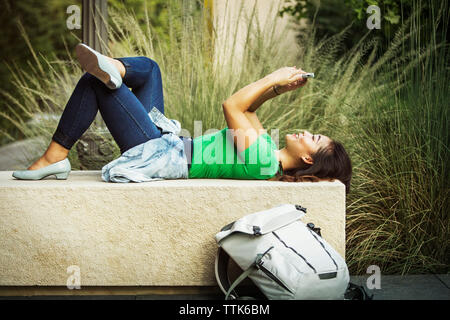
point(60, 169)
point(98, 65)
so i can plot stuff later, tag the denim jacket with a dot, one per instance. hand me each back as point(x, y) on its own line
point(156, 159)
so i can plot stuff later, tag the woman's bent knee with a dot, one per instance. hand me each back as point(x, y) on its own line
point(86, 77)
point(150, 61)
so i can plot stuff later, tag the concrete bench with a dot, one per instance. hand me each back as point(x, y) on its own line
point(157, 233)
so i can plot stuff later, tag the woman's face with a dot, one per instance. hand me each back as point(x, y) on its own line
point(304, 144)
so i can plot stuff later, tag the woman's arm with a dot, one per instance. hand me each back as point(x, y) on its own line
point(245, 97)
point(236, 106)
point(275, 91)
point(269, 94)
point(251, 112)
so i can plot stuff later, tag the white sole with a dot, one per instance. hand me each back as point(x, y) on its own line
point(89, 62)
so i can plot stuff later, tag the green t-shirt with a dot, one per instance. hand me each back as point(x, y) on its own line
point(215, 156)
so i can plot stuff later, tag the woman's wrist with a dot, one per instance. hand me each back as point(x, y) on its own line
point(272, 79)
point(276, 89)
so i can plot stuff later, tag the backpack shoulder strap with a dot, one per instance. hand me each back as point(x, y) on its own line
point(221, 270)
point(236, 283)
point(355, 292)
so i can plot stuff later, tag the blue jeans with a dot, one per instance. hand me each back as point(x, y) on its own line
point(125, 112)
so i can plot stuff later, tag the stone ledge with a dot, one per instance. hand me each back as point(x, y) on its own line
point(158, 233)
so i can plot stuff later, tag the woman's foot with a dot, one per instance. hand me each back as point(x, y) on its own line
point(119, 65)
point(53, 162)
point(43, 162)
point(60, 170)
point(106, 69)
point(54, 153)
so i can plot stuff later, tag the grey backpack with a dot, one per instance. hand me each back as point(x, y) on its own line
point(285, 258)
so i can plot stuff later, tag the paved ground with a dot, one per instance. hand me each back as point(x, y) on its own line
point(412, 287)
point(20, 154)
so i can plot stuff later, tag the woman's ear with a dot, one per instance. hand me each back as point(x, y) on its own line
point(307, 159)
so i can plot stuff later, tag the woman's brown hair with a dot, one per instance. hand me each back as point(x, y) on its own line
point(331, 162)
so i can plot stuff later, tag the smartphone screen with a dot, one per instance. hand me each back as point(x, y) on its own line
point(308, 75)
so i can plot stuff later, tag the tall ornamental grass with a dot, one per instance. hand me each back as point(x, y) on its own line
point(390, 111)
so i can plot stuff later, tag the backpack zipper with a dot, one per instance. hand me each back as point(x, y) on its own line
point(337, 268)
point(292, 249)
point(260, 266)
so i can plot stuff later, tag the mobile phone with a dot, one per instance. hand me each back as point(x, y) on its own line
point(307, 75)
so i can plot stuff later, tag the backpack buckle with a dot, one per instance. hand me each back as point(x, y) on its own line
point(312, 227)
point(256, 231)
point(259, 256)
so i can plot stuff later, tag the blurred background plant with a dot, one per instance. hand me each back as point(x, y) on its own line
point(331, 17)
point(385, 96)
point(35, 31)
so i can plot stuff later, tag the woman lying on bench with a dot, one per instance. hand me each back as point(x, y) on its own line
point(150, 146)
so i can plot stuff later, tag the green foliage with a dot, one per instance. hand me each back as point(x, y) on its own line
point(391, 8)
point(330, 17)
point(41, 25)
point(46, 31)
point(163, 16)
point(156, 9)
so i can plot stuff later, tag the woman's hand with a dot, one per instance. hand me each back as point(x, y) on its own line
point(292, 86)
point(287, 75)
